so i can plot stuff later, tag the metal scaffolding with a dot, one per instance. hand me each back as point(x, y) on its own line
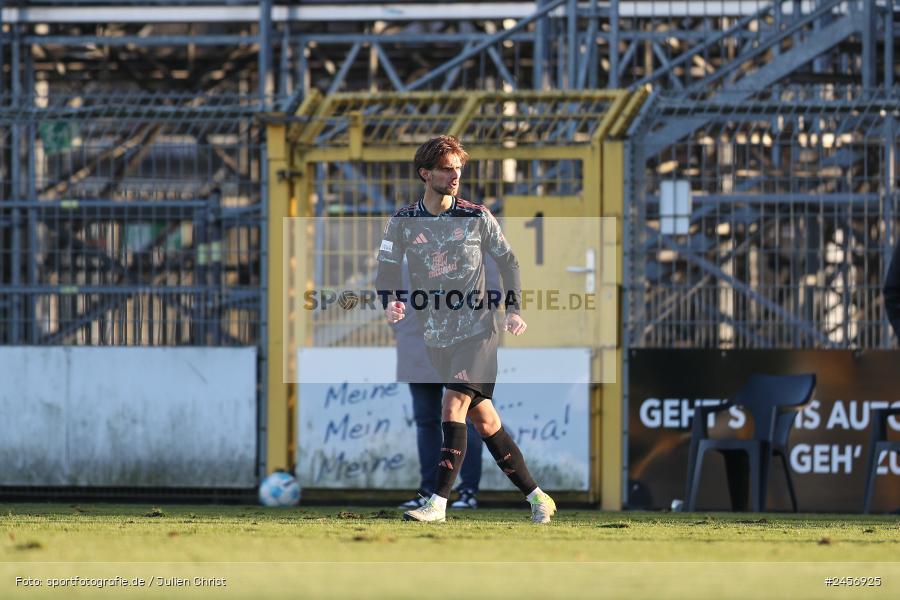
point(563, 44)
point(125, 61)
point(772, 227)
point(285, 50)
point(135, 172)
point(130, 220)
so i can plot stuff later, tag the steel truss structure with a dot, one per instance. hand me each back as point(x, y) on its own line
point(785, 232)
point(288, 49)
point(133, 221)
point(135, 179)
point(124, 58)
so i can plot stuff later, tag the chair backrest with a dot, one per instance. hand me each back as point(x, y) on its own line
point(773, 401)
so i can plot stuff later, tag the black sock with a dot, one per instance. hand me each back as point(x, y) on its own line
point(509, 458)
point(453, 451)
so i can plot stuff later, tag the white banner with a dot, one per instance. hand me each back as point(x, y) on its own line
point(362, 435)
point(133, 417)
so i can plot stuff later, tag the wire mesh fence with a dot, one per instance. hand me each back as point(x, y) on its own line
point(770, 226)
point(359, 199)
point(360, 150)
point(130, 219)
point(708, 46)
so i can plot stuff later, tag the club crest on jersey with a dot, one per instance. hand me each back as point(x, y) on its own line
point(440, 265)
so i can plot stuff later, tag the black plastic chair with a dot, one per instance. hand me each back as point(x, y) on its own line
point(878, 443)
point(773, 402)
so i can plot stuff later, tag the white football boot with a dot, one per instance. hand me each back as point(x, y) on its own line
point(542, 508)
point(430, 512)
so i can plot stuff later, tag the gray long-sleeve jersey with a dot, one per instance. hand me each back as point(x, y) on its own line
point(445, 254)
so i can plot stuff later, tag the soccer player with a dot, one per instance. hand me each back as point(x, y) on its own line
point(444, 239)
point(415, 368)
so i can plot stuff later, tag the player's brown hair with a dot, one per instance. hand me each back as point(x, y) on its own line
point(431, 152)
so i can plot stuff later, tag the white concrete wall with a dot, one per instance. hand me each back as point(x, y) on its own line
point(131, 417)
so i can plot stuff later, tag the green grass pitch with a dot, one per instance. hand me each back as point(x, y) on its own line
point(328, 552)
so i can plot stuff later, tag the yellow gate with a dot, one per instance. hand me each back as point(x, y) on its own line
point(533, 154)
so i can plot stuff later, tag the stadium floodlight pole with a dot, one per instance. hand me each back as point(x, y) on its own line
point(482, 46)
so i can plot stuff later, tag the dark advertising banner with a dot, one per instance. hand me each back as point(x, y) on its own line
point(829, 444)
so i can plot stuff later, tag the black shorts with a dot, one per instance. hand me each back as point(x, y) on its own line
point(469, 366)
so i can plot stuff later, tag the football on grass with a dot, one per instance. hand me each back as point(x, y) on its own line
point(279, 489)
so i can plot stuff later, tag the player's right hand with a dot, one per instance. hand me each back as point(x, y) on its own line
point(395, 311)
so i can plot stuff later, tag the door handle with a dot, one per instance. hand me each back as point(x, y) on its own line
point(589, 270)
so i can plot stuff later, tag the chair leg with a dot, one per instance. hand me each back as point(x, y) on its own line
point(694, 483)
point(737, 470)
point(790, 481)
point(755, 479)
point(765, 461)
point(874, 455)
point(691, 473)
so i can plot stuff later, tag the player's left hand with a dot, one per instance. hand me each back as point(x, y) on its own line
point(515, 324)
